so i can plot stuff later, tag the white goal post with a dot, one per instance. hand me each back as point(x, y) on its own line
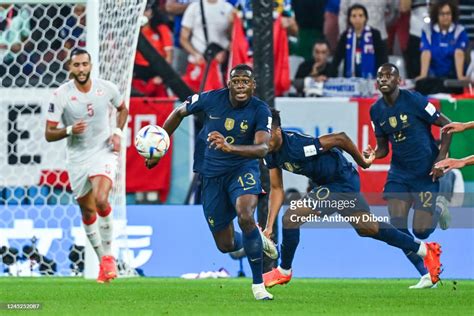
point(39, 220)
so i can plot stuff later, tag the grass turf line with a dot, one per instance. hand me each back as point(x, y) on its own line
point(230, 296)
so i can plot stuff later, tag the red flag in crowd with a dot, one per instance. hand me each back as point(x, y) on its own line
point(280, 56)
point(195, 74)
point(239, 48)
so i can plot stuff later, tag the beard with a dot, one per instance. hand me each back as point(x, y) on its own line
point(82, 82)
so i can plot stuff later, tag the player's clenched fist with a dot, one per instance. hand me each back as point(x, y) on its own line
point(114, 142)
point(218, 142)
point(79, 127)
point(368, 152)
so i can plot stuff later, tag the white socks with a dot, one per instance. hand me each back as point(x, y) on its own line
point(106, 230)
point(422, 250)
point(284, 271)
point(92, 232)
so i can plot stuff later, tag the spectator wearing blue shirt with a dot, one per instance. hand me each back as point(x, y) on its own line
point(443, 43)
point(360, 47)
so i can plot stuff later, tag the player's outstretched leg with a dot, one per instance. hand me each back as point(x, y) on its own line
point(291, 238)
point(430, 252)
point(398, 210)
point(283, 273)
point(252, 242)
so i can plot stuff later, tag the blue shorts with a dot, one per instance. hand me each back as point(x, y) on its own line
point(219, 194)
point(421, 192)
point(342, 196)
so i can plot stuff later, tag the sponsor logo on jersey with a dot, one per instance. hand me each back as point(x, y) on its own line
point(73, 98)
point(229, 124)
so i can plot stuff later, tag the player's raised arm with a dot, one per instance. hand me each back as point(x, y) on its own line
point(342, 141)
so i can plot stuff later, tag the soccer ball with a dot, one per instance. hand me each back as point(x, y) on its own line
point(152, 141)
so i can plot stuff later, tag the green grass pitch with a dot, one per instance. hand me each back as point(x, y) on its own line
point(157, 296)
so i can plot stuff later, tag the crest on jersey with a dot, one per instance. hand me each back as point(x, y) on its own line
point(51, 108)
point(99, 92)
point(404, 118)
point(244, 126)
point(393, 121)
point(229, 124)
point(289, 167)
point(211, 221)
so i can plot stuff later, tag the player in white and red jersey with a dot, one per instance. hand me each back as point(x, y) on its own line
point(83, 105)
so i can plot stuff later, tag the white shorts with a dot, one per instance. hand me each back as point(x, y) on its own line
point(103, 163)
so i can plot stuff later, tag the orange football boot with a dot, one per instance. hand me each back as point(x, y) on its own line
point(432, 260)
point(275, 277)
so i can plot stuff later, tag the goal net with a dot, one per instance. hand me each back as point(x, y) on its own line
point(40, 223)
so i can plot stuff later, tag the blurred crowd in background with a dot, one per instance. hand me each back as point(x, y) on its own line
point(429, 40)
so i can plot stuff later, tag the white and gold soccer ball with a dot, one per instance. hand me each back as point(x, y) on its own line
point(152, 141)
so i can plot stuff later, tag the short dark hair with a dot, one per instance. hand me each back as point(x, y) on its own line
point(437, 7)
point(391, 66)
point(321, 41)
point(79, 51)
point(276, 120)
point(355, 7)
point(244, 68)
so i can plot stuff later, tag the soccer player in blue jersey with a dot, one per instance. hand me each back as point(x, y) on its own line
point(237, 126)
point(337, 190)
point(403, 119)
